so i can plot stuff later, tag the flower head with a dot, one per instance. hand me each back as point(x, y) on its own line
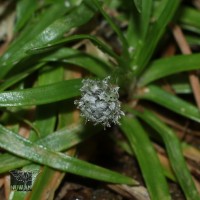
point(99, 102)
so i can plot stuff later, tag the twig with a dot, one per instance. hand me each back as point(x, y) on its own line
point(185, 49)
point(7, 186)
point(136, 192)
point(177, 125)
point(192, 166)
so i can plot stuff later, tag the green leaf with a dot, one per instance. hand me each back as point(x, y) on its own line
point(147, 47)
point(145, 16)
point(168, 66)
point(75, 57)
point(18, 77)
point(45, 123)
point(53, 45)
point(58, 141)
point(159, 96)
point(138, 5)
point(180, 83)
point(189, 18)
point(114, 27)
point(133, 32)
point(25, 10)
point(126, 147)
point(46, 115)
point(147, 158)
point(41, 95)
point(139, 24)
point(50, 28)
point(174, 150)
point(24, 148)
point(18, 48)
point(182, 88)
point(44, 183)
point(193, 40)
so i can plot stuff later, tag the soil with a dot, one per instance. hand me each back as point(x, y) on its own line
point(112, 157)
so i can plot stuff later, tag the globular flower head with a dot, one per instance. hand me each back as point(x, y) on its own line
point(99, 102)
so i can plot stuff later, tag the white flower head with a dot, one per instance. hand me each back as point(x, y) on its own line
point(99, 102)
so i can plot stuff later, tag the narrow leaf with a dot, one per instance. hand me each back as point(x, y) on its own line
point(45, 123)
point(50, 31)
point(58, 141)
point(24, 148)
point(147, 47)
point(138, 5)
point(18, 77)
point(41, 95)
point(147, 158)
point(72, 56)
point(159, 96)
point(168, 66)
point(174, 150)
point(114, 27)
point(24, 11)
point(51, 46)
point(180, 83)
point(189, 18)
point(145, 16)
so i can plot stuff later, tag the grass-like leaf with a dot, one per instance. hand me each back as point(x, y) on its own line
point(72, 56)
point(51, 46)
point(48, 30)
point(147, 158)
point(180, 83)
point(58, 141)
point(127, 148)
point(24, 11)
point(41, 95)
point(114, 27)
point(17, 49)
point(44, 181)
point(190, 19)
point(173, 147)
point(37, 153)
point(193, 39)
point(160, 96)
point(138, 5)
point(147, 7)
point(147, 47)
point(182, 88)
point(18, 77)
point(160, 68)
point(45, 122)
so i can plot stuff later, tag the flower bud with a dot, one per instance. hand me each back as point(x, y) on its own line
point(99, 102)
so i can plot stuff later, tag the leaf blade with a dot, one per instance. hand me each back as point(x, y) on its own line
point(24, 11)
point(160, 68)
point(37, 153)
point(51, 31)
point(75, 57)
point(60, 140)
point(138, 5)
point(146, 48)
point(41, 95)
point(147, 158)
point(159, 96)
point(174, 152)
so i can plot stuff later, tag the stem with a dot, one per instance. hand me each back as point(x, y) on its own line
point(185, 49)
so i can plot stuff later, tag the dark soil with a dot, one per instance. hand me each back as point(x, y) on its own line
point(108, 155)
